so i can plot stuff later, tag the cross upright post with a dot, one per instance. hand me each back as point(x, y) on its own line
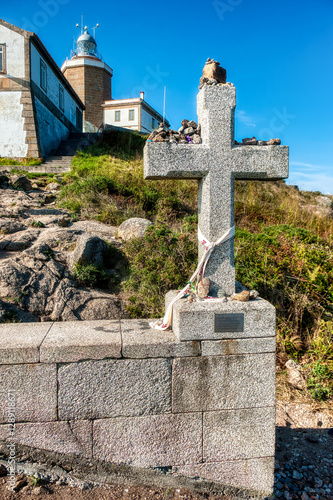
point(216, 163)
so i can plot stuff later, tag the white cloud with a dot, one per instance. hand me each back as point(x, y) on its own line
point(301, 164)
point(312, 182)
point(243, 117)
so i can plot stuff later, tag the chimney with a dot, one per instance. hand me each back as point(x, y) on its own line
point(142, 96)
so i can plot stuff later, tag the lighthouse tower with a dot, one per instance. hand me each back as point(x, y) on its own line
point(91, 79)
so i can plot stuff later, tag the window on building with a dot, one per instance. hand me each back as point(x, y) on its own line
point(117, 116)
point(61, 98)
point(131, 114)
point(2, 58)
point(153, 123)
point(43, 75)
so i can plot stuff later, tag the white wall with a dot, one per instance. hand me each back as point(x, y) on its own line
point(52, 86)
point(109, 117)
point(146, 122)
point(12, 135)
point(14, 52)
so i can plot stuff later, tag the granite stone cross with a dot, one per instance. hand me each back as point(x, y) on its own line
point(217, 162)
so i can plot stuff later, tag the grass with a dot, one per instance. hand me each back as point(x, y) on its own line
point(283, 245)
point(23, 162)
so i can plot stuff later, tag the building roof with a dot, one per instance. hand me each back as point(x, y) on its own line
point(35, 40)
point(138, 101)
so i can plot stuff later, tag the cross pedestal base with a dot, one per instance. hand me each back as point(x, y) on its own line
point(233, 384)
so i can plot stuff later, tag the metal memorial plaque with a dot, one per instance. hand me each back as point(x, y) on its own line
point(228, 322)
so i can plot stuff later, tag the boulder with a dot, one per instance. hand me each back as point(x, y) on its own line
point(21, 182)
point(213, 71)
point(133, 228)
point(88, 250)
point(249, 141)
point(4, 180)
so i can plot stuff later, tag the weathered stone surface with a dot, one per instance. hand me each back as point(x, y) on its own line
point(10, 312)
point(237, 346)
point(196, 321)
point(34, 275)
point(255, 473)
point(139, 340)
point(155, 441)
point(223, 382)
point(216, 162)
point(133, 228)
point(101, 389)
point(36, 392)
point(63, 437)
point(69, 342)
point(238, 434)
point(20, 343)
point(88, 250)
point(42, 287)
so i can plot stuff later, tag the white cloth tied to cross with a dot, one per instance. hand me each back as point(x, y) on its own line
point(198, 274)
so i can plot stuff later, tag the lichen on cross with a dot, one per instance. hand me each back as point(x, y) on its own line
point(216, 163)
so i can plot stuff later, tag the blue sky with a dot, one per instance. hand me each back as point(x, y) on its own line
point(278, 54)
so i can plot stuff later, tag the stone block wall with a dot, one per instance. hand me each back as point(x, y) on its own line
point(121, 392)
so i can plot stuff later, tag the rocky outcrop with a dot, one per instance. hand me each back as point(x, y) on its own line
point(39, 245)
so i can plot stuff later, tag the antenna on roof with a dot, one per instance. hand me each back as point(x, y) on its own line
point(164, 106)
point(97, 26)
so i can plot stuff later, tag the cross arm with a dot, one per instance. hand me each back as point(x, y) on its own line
point(186, 161)
point(260, 162)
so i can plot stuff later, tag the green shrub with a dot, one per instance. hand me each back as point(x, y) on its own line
point(161, 261)
point(91, 275)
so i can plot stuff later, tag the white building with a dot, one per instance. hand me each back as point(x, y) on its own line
point(134, 114)
point(38, 106)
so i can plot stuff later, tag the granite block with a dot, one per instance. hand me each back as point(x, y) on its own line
point(63, 437)
point(196, 320)
point(34, 391)
point(154, 441)
point(141, 341)
point(77, 340)
point(253, 473)
point(19, 343)
point(113, 388)
point(238, 346)
point(223, 382)
point(238, 434)
point(175, 161)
